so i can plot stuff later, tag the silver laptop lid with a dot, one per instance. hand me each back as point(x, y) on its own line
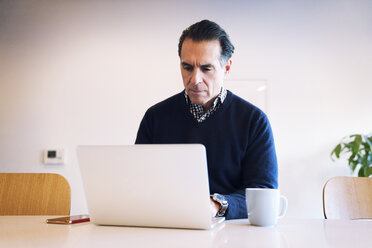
point(146, 185)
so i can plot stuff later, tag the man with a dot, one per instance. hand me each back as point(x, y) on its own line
point(236, 134)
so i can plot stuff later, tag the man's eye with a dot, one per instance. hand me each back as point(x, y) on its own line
point(206, 69)
point(187, 68)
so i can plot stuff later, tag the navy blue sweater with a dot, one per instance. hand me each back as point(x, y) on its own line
point(238, 139)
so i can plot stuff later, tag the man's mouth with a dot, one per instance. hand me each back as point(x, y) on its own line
point(196, 91)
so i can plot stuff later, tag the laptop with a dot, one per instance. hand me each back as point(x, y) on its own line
point(147, 185)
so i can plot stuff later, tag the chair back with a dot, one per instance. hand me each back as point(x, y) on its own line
point(348, 198)
point(34, 194)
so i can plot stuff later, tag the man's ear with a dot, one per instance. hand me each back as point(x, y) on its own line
point(228, 66)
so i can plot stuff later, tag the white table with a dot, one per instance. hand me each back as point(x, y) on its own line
point(32, 231)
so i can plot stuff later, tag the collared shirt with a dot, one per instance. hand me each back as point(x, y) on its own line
point(197, 109)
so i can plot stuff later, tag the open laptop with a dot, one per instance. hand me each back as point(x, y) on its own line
point(147, 185)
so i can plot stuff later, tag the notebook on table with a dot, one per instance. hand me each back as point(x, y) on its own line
point(147, 185)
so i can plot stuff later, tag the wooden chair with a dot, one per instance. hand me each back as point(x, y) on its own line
point(347, 198)
point(34, 194)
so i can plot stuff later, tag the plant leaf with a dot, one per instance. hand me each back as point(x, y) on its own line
point(351, 159)
point(364, 161)
point(357, 142)
point(348, 146)
point(336, 151)
point(368, 140)
point(368, 171)
point(361, 172)
point(353, 165)
point(359, 159)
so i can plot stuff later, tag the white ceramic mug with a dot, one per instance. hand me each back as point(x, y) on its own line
point(263, 206)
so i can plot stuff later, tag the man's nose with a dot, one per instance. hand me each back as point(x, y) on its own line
point(196, 77)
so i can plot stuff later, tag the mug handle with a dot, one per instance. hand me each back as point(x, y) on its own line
point(284, 202)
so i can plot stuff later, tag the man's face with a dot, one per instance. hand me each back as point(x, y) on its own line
point(201, 70)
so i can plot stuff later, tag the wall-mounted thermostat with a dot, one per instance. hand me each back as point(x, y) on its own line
point(54, 156)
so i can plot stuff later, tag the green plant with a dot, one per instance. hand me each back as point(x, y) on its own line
point(359, 148)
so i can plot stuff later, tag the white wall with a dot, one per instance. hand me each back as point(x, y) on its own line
point(85, 73)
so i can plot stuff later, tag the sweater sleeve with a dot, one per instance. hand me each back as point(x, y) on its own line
point(144, 134)
point(259, 167)
point(237, 207)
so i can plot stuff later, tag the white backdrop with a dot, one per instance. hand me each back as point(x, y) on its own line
point(74, 74)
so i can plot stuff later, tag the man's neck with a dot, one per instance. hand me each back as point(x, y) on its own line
point(209, 104)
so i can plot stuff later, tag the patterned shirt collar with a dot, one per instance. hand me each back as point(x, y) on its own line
point(197, 109)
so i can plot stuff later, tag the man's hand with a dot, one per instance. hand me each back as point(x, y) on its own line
point(215, 207)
